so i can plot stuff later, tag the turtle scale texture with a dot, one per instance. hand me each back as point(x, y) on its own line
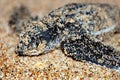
point(75, 29)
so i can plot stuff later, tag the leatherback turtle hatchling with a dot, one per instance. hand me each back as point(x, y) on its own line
point(75, 29)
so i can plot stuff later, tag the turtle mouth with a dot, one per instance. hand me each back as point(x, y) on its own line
point(29, 49)
point(28, 52)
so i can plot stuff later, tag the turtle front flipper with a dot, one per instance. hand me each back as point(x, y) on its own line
point(86, 49)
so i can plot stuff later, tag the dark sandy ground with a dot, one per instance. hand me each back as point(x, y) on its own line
point(51, 66)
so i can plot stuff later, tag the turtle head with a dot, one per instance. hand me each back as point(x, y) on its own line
point(31, 40)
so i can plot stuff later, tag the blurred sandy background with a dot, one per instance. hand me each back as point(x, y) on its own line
point(54, 65)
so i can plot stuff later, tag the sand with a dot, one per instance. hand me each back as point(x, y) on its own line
point(53, 65)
